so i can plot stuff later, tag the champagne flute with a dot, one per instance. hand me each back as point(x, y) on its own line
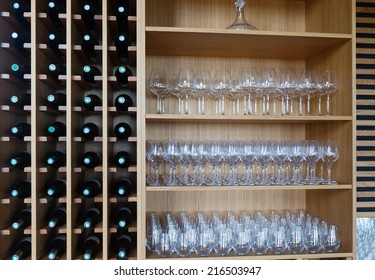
point(159, 85)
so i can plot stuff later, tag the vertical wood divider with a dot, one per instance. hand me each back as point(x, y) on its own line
point(69, 164)
point(105, 130)
point(34, 122)
point(141, 129)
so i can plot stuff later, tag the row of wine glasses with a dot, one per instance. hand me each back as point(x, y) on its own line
point(264, 88)
point(365, 238)
point(243, 232)
point(241, 162)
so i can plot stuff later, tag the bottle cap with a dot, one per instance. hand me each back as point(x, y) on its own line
point(16, 5)
point(51, 224)
point(87, 69)
point(50, 161)
point(15, 67)
point(51, 4)
point(121, 100)
point(52, 67)
point(51, 129)
point(87, 7)
point(13, 161)
point(14, 35)
point(86, 192)
point(14, 99)
point(121, 191)
point(121, 254)
point(14, 130)
point(122, 223)
point(86, 37)
point(86, 256)
point(51, 256)
point(121, 129)
point(51, 98)
point(86, 161)
point(52, 36)
point(121, 160)
point(87, 224)
point(122, 69)
point(50, 192)
point(15, 225)
point(87, 100)
point(121, 9)
point(121, 38)
point(15, 258)
point(14, 193)
point(86, 130)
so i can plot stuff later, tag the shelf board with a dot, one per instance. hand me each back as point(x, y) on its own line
point(46, 230)
point(249, 188)
point(242, 118)
point(261, 257)
point(14, 139)
point(25, 83)
point(115, 140)
point(60, 110)
point(132, 83)
point(51, 139)
point(80, 199)
point(47, 169)
point(131, 110)
point(47, 51)
point(26, 109)
point(11, 200)
point(7, 169)
point(130, 198)
point(238, 43)
point(47, 200)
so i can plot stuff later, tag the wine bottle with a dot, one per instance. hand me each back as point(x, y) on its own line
point(91, 159)
point(122, 75)
point(123, 215)
point(20, 101)
point(54, 9)
point(19, 70)
point(122, 187)
point(22, 249)
point(123, 130)
point(56, 130)
point(56, 188)
point(123, 159)
point(19, 42)
point(123, 246)
point(89, 131)
point(55, 70)
point(89, 73)
point(90, 9)
point(92, 217)
point(91, 247)
point(18, 9)
point(123, 102)
point(88, 46)
point(57, 247)
point(54, 40)
point(122, 19)
point(56, 99)
point(91, 101)
point(56, 159)
point(22, 220)
point(122, 44)
point(21, 189)
point(57, 217)
point(91, 188)
point(21, 130)
point(20, 160)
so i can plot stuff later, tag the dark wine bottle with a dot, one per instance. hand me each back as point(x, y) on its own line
point(91, 247)
point(91, 159)
point(57, 217)
point(123, 215)
point(22, 220)
point(122, 14)
point(91, 188)
point(56, 130)
point(54, 9)
point(123, 159)
point(19, 70)
point(54, 41)
point(19, 41)
point(57, 247)
point(88, 46)
point(123, 130)
point(55, 70)
point(89, 131)
point(56, 99)
point(21, 189)
point(21, 160)
point(18, 9)
point(122, 75)
point(20, 101)
point(92, 217)
point(56, 159)
point(123, 102)
point(90, 9)
point(91, 101)
point(122, 187)
point(21, 130)
point(123, 246)
point(56, 188)
point(22, 249)
point(89, 73)
point(122, 44)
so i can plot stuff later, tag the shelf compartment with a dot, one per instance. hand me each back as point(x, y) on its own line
point(47, 20)
point(12, 20)
point(115, 140)
point(250, 119)
point(81, 54)
point(7, 169)
point(52, 82)
point(131, 110)
point(96, 199)
point(11, 200)
point(51, 139)
point(132, 21)
point(132, 52)
point(233, 43)
point(15, 139)
point(47, 200)
point(84, 85)
point(46, 230)
point(7, 108)
point(98, 229)
point(46, 109)
point(130, 198)
point(131, 169)
point(77, 18)
point(49, 53)
point(25, 83)
point(131, 228)
point(81, 139)
point(132, 80)
point(13, 51)
point(246, 188)
point(48, 169)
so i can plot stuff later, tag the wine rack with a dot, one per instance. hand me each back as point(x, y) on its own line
point(57, 61)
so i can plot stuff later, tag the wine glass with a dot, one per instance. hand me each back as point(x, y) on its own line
point(249, 158)
point(172, 156)
point(330, 155)
point(329, 84)
point(279, 153)
point(263, 155)
point(312, 155)
point(235, 94)
point(248, 82)
point(278, 240)
point(184, 84)
point(154, 155)
point(296, 157)
point(222, 84)
point(307, 86)
point(288, 84)
point(243, 239)
point(331, 241)
point(205, 239)
point(159, 85)
point(202, 87)
point(268, 86)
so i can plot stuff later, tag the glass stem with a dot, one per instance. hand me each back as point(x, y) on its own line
point(238, 106)
point(157, 182)
point(320, 105)
point(203, 105)
point(264, 105)
point(217, 106)
point(308, 104)
point(287, 105)
point(250, 108)
point(223, 104)
point(329, 174)
point(245, 105)
point(199, 105)
point(300, 106)
point(179, 105)
point(186, 103)
point(328, 105)
point(158, 109)
point(282, 105)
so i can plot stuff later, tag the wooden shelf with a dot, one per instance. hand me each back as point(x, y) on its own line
point(112, 80)
point(96, 199)
point(131, 110)
point(11, 169)
point(60, 230)
point(55, 84)
point(250, 119)
point(49, 53)
point(130, 198)
point(115, 140)
point(132, 52)
point(233, 43)
point(7, 108)
point(247, 188)
point(13, 139)
point(47, 200)
point(24, 84)
point(60, 110)
point(51, 139)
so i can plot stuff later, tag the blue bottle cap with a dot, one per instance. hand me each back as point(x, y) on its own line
point(50, 161)
point(121, 129)
point(86, 256)
point(14, 99)
point(87, 7)
point(51, 5)
point(15, 225)
point(121, 9)
point(121, 254)
point(87, 68)
point(86, 37)
point(121, 191)
point(51, 98)
point(121, 100)
point(86, 130)
point(14, 193)
point(51, 224)
point(122, 69)
point(86, 161)
point(122, 224)
point(121, 38)
point(51, 256)
point(87, 224)
point(15, 67)
point(16, 5)
point(52, 67)
point(14, 35)
point(15, 258)
point(50, 192)
point(87, 100)
point(51, 129)
point(86, 192)
point(121, 160)
point(14, 130)
point(52, 36)
point(13, 161)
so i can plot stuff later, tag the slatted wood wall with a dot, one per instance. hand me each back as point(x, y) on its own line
point(365, 29)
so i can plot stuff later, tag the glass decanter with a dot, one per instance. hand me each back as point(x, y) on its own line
point(240, 23)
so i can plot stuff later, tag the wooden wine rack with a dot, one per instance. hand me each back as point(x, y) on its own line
point(171, 34)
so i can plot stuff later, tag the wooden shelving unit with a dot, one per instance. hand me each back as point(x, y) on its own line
point(292, 34)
